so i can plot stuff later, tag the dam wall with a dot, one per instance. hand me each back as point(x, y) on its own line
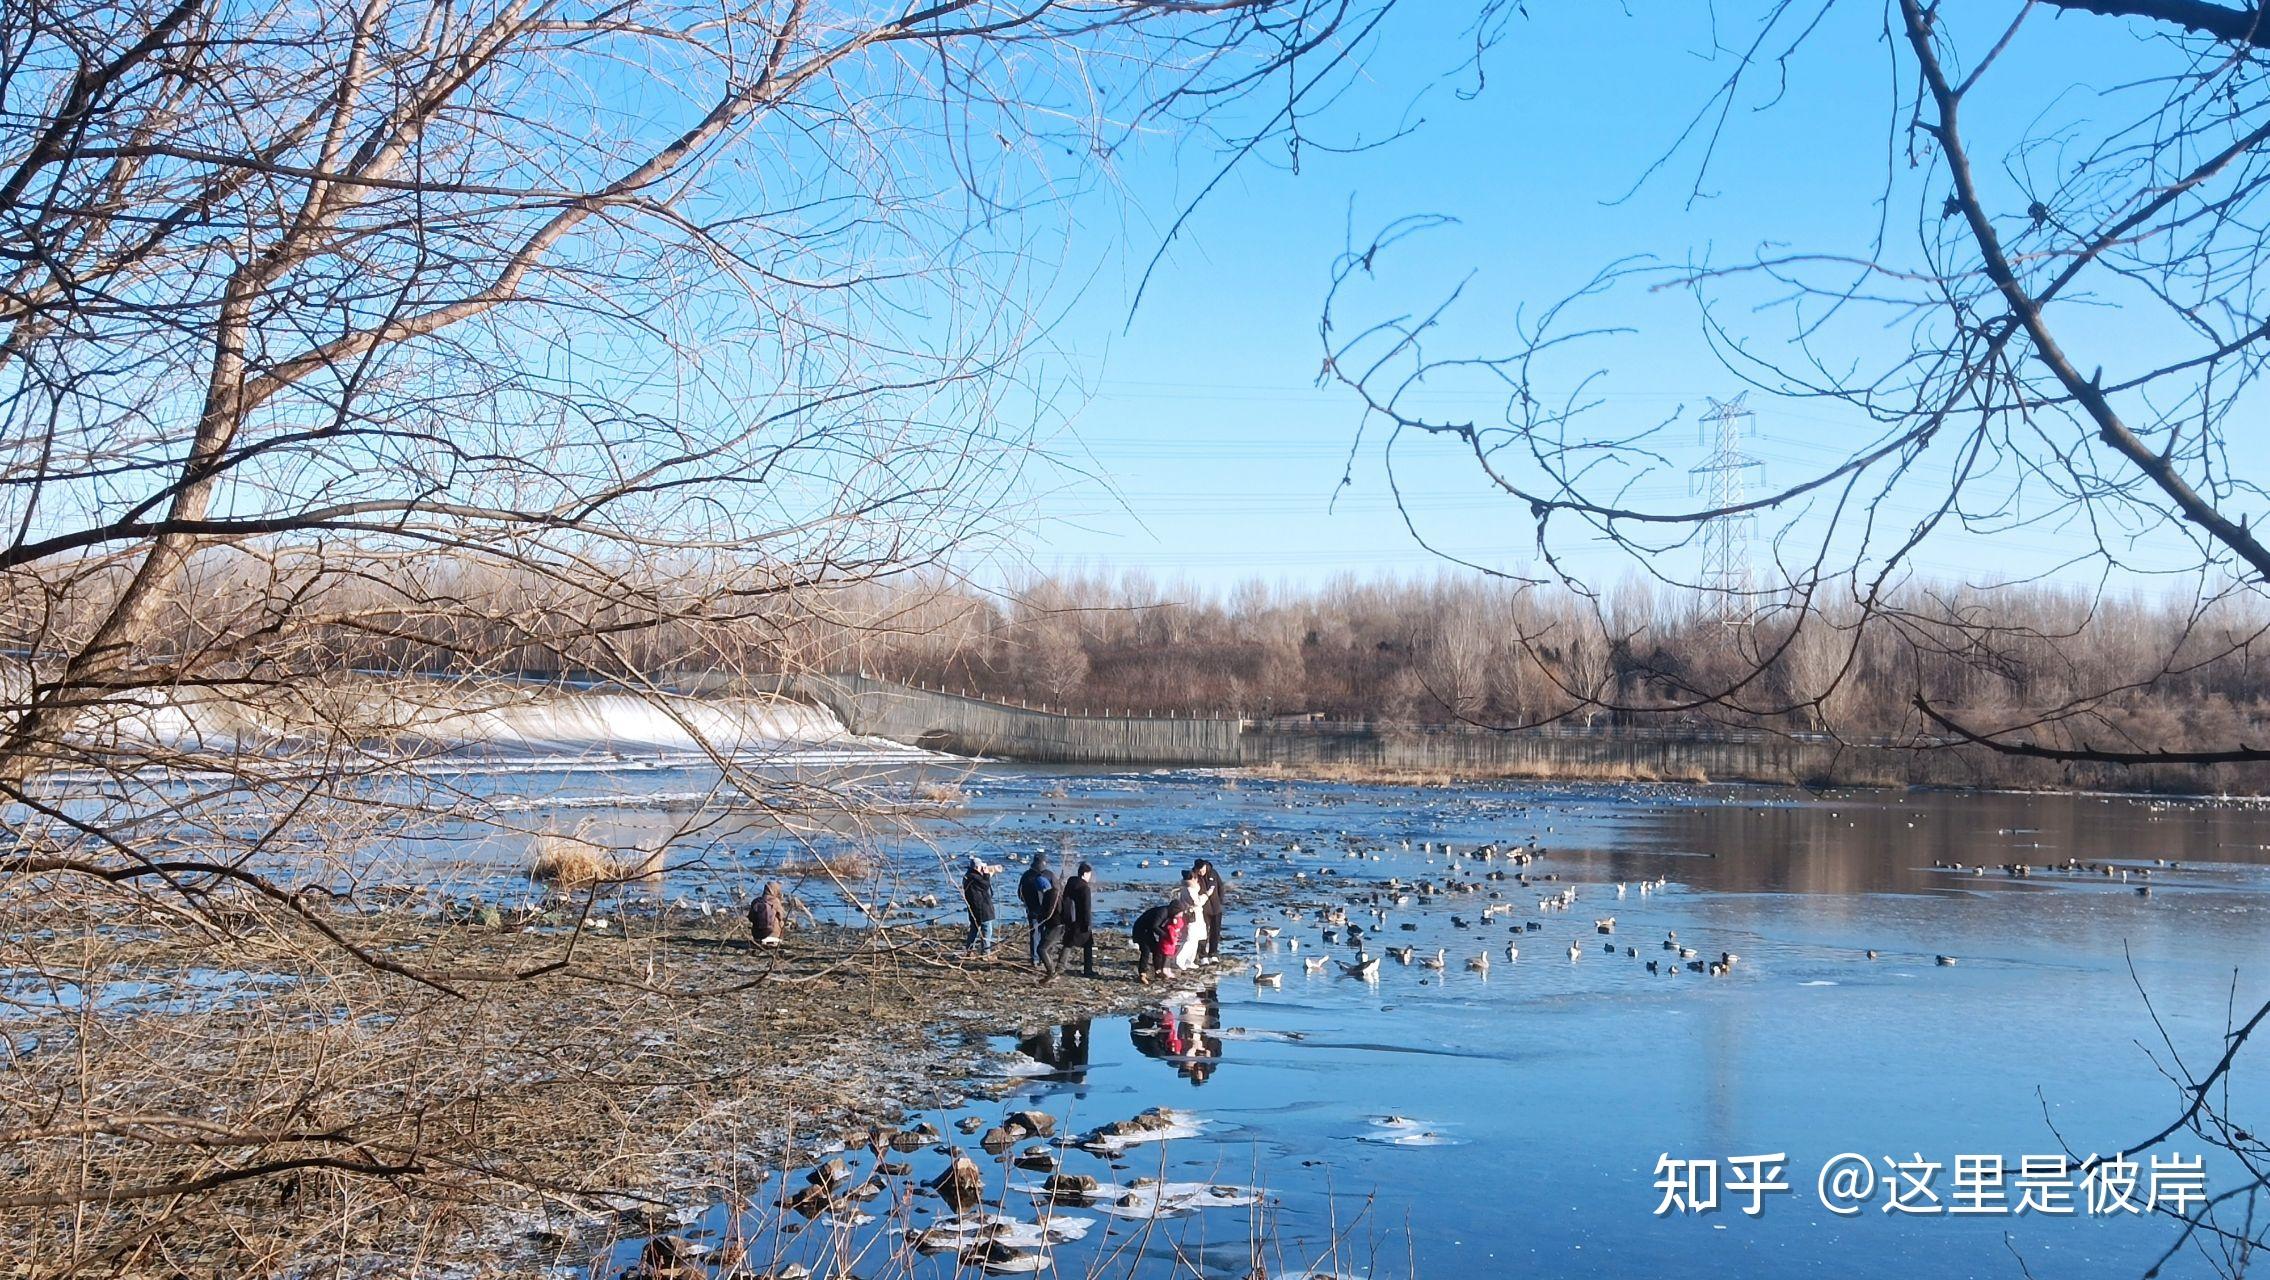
point(959, 725)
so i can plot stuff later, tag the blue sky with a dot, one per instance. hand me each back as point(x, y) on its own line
point(1222, 455)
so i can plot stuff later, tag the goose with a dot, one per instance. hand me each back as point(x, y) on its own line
point(1871, 953)
point(1365, 967)
point(1480, 963)
point(1943, 961)
point(1268, 979)
point(1436, 961)
point(1619, 889)
point(1402, 954)
point(1315, 964)
point(1604, 925)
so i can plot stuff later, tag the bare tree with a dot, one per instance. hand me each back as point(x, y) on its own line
point(342, 343)
point(2004, 407)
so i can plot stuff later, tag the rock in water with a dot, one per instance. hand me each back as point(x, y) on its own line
point(669, 1256)
point(1034, 1124)
point(962, 1185)
point(830, 1174)
point(1070, 1188)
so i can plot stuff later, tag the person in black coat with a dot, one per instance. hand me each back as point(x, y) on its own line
point(1074, 925)
point(1038, 892)
point(1153, 935)
point(977, 892)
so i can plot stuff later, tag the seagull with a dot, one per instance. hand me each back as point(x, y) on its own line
point(1402, 954)
point(1436, 961)
point(1315, 964)
point(1512, 953)
point(1575, 949)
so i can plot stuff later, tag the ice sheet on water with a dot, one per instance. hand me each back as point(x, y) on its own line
point(1161, 1124)
point(1404, 1131)
point(1170, 1199)
point(1000, 1228)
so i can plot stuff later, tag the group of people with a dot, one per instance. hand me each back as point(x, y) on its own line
point(1184, 931)
point(1181, 933)
point(1060, 913)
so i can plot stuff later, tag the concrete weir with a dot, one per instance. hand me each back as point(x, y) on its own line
point(959, 725)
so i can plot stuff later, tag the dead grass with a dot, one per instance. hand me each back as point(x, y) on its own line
point(942, 793)
point(839, 864)
point(557, 1111)
point(571, 862)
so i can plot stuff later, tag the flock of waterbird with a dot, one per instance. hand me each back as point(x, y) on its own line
point(1369, 915)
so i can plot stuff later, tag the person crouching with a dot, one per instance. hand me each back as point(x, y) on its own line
point(768, 917)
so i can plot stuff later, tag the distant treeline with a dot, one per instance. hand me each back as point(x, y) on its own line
point(2077, 669)
point(2063, 666)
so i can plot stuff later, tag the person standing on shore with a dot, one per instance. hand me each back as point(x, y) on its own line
point(1210, 880)
point(768, 917)
point(977, 892)
point(1037, 890)
point(1074, 925)
point(1191, 901)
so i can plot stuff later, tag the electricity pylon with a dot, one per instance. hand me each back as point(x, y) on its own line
point(1723, 480)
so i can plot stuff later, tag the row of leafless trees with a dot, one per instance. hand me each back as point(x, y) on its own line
point(1493, 652)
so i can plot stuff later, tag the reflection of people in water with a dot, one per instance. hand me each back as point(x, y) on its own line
point(1065, 1050)
point(1183, 1035)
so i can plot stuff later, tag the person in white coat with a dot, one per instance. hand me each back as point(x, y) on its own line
point(1192, 897)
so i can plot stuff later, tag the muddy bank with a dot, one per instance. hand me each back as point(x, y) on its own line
point(519, 1099)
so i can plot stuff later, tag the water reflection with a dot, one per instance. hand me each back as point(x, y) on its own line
point(1064, 1050)
point(1183, 1033)
point(1745, 840)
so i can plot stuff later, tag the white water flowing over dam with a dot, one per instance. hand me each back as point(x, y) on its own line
point(470, 722)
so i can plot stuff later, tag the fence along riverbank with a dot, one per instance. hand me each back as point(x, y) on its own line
point(939, 721)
